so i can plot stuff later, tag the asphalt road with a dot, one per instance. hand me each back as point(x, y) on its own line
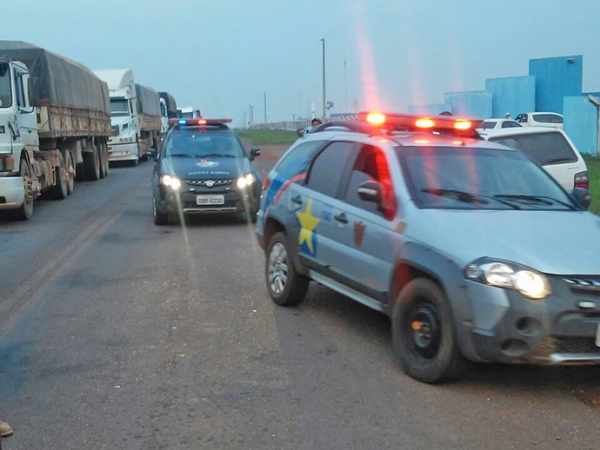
point(117, 334)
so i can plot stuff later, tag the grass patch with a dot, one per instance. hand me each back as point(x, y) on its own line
point(267, 137)
point(593, 165)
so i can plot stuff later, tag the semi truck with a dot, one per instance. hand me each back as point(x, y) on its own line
point(135, 116)
point(168, 110)
point(54, 126)
point(188, 112)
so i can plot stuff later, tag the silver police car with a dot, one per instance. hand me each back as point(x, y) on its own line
point(473, 250)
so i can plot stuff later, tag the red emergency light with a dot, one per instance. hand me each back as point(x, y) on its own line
point(409, 122)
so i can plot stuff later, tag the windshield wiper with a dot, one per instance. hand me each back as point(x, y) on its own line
point(178, 155)
point(466, 197)
point(557, 160)
point(539, 199)
point(215, 155)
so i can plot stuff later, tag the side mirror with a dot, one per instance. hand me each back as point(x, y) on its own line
point(582, 196)
point(370, 191)
point(254, 152)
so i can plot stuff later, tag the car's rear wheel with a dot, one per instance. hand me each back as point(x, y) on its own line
point(286, 286)
point(423, 333)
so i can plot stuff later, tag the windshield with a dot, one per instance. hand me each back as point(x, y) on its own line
point(186, 115)
point(464, 178)
point(543, 148)
point(5, 96)
point(488, 125)
point(119, 107)
point(203, 143)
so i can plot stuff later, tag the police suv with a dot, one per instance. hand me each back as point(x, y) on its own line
point(473, 250)
point(204, 168)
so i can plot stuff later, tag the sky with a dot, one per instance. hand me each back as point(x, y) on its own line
point(222, 55)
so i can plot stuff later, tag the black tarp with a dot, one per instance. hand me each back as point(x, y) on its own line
point(148, 100)
point(57, 80)
point(171, 104)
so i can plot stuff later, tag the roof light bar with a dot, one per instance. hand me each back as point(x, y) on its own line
point(196, 122)
point(409, 122)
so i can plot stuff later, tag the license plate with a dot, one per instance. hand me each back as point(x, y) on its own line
point(210, 200)
point(598, 336)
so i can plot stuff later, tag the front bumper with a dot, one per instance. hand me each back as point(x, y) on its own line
point(184, 200)
point(123, 152)
point(560, 329)
point(12, 192)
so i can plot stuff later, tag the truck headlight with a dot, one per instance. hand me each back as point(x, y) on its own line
point(528, 282)
point(172, 182)
point(246, 180)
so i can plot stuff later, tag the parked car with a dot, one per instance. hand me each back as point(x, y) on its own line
point(541, 119)
point(473, 250)
point(496, 124)
point(550, 148)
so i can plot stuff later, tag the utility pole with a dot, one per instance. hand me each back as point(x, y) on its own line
point(324, 93)
point(251, 112)
point(265, 108)
point(345, 87)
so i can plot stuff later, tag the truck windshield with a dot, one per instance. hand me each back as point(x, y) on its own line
point(464, 178)
point(186, 115)
point(5, 97)
point(119, 107)
point(203, 143)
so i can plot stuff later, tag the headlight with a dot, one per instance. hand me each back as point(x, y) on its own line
point(125, 140)
point(246, 180)
point(528, 282)
point(172, 182)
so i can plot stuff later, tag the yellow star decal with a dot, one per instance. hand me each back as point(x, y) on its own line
point(307, 224)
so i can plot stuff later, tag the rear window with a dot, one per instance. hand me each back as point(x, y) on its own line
point(543, 148)
point(548, 118)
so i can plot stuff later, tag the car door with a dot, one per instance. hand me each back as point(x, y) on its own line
point(311, 207)
point(364, 239)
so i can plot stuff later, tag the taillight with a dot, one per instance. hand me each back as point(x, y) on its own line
point(582, 180)
point(266, 183)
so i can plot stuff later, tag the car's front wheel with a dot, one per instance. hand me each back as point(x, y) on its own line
point(160, 218)
point(286, 286)
point(423, 333)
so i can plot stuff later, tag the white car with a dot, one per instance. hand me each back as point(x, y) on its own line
point(550, 148)
point(497, 124)
point(541, 119)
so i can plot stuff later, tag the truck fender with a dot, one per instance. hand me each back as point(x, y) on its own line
point(421, 260)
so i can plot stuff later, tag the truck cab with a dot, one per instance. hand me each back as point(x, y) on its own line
point(188, 112)
point(123, 145)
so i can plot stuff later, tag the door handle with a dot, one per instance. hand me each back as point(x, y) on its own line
point(297, 199)
point(341, 218)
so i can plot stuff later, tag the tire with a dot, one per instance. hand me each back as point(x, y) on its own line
point(91, 165)
point(429, 353)
point(70, 173)
point(102, 158)
point(106, 160)
point(61, 189)
point(25, 211)
point(159, 217)
point(286, 286)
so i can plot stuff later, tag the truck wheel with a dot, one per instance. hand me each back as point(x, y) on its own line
point(101, 160)
point(91, 163)
point(159, 217)
point(285, 285)
point(423, 333)
point(70, 173)
point(60, 190)
point(25, 212)
point(106, 160)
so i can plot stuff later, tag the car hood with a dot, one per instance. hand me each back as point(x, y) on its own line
point(203, 168)
point(553, 242)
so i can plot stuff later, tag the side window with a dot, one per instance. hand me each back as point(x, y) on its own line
point(296, 161)
point(370, 165)
point(327, 169)
point(20, 92)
